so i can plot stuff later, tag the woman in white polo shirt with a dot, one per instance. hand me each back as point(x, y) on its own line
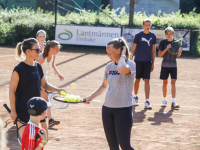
point(118, 78)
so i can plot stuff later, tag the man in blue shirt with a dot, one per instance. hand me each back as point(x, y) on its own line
point(145, 52)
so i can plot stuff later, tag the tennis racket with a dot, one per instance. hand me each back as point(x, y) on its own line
point(56, 104)
point(19, 138)
point(60, 98)
point(175, 45)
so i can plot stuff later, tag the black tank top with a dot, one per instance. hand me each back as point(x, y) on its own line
point(29, 83)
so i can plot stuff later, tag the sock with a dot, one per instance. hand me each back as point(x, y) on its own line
point(165, 98)
point(147, 100)
point(135, 95)
point(173, 99)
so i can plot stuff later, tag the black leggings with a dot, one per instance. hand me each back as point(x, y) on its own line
point(117, 124)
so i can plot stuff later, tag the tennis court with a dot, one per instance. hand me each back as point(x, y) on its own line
point(81, 125)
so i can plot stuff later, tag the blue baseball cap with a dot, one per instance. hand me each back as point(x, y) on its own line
point(37, 105)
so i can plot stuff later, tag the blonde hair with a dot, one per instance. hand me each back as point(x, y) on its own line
point(146, 20)
point(50, 44)
point(118, 43)
point(169, 29)
point(41, 31)
point(23, 46)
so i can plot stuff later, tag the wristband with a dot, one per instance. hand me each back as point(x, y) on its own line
point(41, 145)
point(44, 141)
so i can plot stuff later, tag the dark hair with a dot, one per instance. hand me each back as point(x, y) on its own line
point(118, 43)
point(146, 20)
point(50, 44)
point(23, 46)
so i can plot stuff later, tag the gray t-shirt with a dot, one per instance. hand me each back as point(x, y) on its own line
point(169, 60)
point(120, 89)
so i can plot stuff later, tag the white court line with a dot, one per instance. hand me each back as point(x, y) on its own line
point(92, 135)
point(7, 55)
point(150, 111)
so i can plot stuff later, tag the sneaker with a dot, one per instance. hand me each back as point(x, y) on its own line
point(135, 101)
point(53, 122)
point(164, 103)
point(147, 105)
point(175, 105)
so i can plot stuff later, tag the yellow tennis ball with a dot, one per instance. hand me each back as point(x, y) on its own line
point(77, 98)
point(63, 93)
point(73, 85)
point(72, 99)
point(67, 98)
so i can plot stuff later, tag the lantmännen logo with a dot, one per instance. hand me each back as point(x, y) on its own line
point(67, 35)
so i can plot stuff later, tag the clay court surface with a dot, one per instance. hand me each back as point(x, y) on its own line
point(81, 125)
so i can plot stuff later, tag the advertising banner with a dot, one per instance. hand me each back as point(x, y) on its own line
point(86, 35)
point(129, 35)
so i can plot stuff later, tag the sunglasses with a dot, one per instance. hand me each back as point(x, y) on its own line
point(37, 50)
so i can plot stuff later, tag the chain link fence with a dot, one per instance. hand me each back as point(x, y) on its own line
point(195, 43)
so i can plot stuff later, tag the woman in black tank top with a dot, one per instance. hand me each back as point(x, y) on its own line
point(26, 80)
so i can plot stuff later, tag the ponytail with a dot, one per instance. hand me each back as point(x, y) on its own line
point(50, 44)
point(46, 49)
point(19, 52)
point(23, 46)
point(124, 43)
point(118, 43)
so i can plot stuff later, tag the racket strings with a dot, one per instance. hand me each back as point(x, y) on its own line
point(180, 41)
point(57, 104)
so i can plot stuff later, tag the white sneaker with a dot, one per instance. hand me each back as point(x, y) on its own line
point(164, 103)
point(147, 105)
point(175, 105)
point(135, 101)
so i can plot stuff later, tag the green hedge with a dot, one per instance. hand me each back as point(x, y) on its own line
point(20, 23)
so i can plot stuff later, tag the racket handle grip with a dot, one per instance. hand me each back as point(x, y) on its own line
point(9, 111)
point(95, 101)
point(185, 33)
point(38, 136)
point(7, 108)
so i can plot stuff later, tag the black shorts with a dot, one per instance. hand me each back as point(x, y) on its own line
point(165, 71)
point(143, 69)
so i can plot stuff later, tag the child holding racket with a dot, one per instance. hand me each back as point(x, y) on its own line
point(145, 52)
point(36, 107)
point(47, 61)
point(26, 81)
point(41, 37)
point(168, 66)
point(117, 112)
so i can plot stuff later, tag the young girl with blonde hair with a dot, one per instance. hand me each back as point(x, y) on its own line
point(47, 61)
